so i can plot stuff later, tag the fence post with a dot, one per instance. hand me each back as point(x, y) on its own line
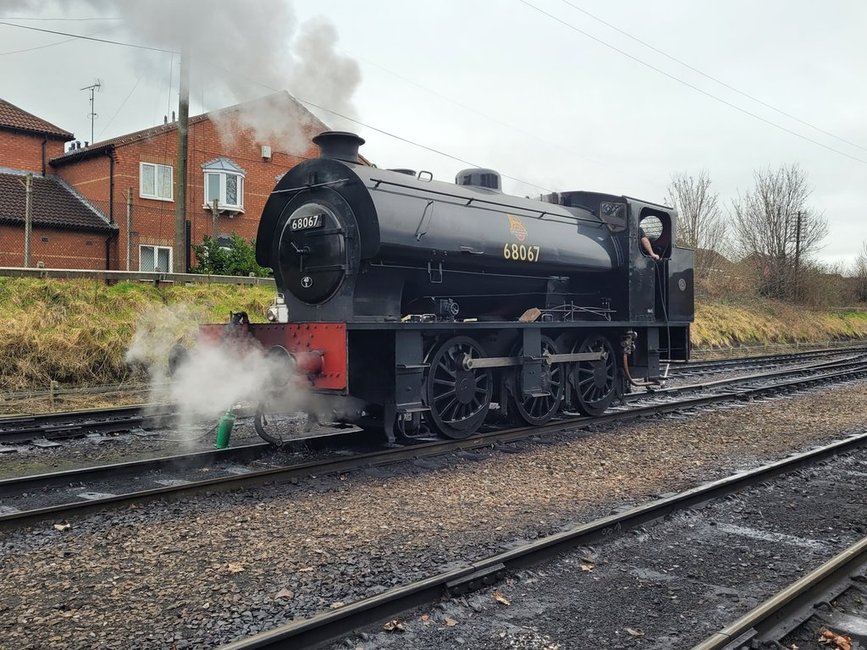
point(28, 217)
point(128, 228)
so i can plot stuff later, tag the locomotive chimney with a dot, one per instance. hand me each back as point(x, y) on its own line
point(340, 145)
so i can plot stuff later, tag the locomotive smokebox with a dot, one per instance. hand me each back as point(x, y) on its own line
point(340, 145)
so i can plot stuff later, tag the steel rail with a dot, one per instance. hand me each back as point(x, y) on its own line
point(742, 379)
point(194, 460)
point(392, 455)
point(55, 426)
point(331, 625)
point(699, 354)
point(52, 426)
point(777, 616)
point(71, 424)
point(715, 363)
point(736, 364)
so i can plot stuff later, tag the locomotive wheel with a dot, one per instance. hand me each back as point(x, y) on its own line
point(459, 399)
point(274, 419)
point(538, 410)
point(595, 382)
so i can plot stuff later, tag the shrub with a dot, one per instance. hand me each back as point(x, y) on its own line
point(236, 258)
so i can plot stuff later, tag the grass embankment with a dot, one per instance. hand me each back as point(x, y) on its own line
point(723, 324)
point(77, 332)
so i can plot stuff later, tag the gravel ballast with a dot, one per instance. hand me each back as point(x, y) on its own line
point(669, 585)
point(203, 571)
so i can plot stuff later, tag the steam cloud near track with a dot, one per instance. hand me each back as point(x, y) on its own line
point(213, 379)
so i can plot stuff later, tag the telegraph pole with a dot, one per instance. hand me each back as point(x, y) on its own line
point(180, 252)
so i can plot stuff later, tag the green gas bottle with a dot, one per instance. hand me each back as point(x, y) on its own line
point(224, 429)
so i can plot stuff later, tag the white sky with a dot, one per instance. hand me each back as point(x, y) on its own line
point(497, 83)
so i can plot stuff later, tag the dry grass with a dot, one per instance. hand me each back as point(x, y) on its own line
point(720, 324)
point(77, 332)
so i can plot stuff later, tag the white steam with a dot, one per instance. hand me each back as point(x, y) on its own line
point(215, 377)
point(240, 50)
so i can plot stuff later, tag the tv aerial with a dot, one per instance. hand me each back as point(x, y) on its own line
point(94, 87)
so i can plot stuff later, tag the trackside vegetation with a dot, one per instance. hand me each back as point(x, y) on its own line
point(77, 332)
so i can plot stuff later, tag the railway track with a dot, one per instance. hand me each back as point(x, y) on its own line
point(164, 478)
point(715, 366)
point(59, 426)
point(334, 625)
point(54, 427)
point(811, 597)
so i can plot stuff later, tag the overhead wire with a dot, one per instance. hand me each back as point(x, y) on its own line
point(389, 134)
point(45, 19)
point(712, 78)
point(119, 108)
point(415, 144)
point(527, 132)
point(54, 44)
point(317, 106)
point(688, 84)
point(38, 47)
point(88, 38)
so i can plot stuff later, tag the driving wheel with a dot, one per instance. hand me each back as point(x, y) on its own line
point(595, 382)
point(539, 410)
point(458, 398)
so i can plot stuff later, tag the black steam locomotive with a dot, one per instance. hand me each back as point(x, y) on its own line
point(418, 304)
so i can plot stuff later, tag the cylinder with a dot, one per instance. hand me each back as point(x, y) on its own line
point(308, 363)
point(224, 430)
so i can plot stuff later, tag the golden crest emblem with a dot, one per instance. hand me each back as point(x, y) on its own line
point(517, 228)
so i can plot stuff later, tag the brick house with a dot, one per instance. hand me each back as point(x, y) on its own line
point(67, 231)
point(227, 161)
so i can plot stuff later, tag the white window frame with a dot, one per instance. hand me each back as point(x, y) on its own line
point(156, 257)
point(156, 166)
point(221, 201)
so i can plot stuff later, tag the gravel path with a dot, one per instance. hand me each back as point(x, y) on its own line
point(199, 572)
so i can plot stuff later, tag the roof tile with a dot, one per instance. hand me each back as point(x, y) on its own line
point(274, 100)
point(12, 117)
point(53, 204)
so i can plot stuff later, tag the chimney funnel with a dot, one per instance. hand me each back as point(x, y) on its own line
point(340, 145)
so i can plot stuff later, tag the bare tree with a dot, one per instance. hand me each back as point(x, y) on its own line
point(861, 273)
point(774, 226)
point(701, 224)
